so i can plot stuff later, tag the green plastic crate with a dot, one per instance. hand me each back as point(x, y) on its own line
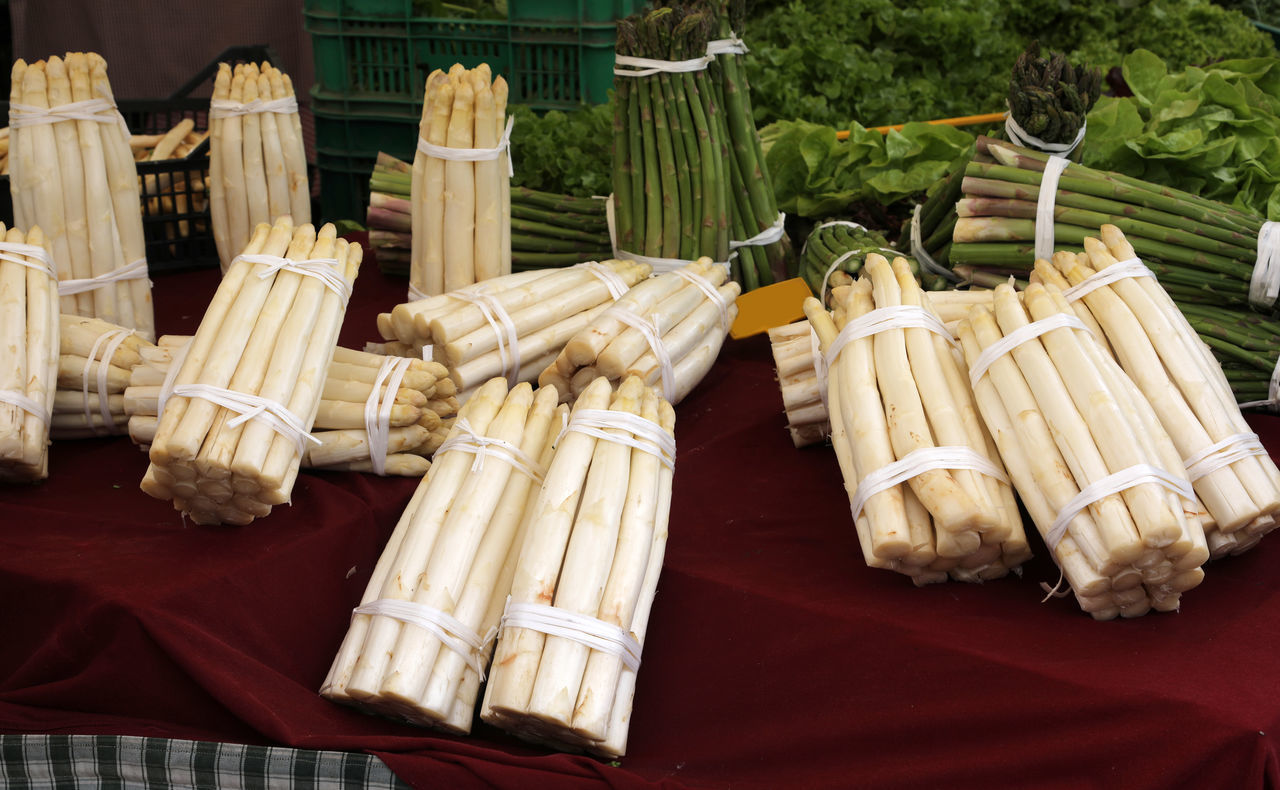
point(347, 143)
point(579, 11)
point(377, 52)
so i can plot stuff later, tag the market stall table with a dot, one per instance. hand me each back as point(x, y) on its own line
point(774, 657)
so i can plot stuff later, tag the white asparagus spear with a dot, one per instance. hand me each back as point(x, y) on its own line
point(13, 352)
point(690, 333)
point(294, 151)
point(630, 344)
point(42, 358)
point(239, 224)
point(39, 175)
point(75, 211)
point(536, 348)
point(24, 207)
point(255, 176)
point(500, 92)
point(431, 278)
point(488, 185)
point(459, 193)
point(275, 170)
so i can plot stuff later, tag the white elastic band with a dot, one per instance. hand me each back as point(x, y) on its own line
point(323, 269)
point(1273, 391)
point(822, 294)
point(171, 377)
point(1016, 338)
point(583, 629)
point(712, 292)
point(473, 154)
point(377, 409)
point(1027, 140)
point(629, 66)
point(24, 115)
point(415, 295)
point(916, 463)
point(252, 407)
point(225, 108)
point(922, 255)
point(1264, 284)
point(29, 405)
point(464, 439)
point(616, 285)
point(452, 632)
point(30, 256)
point(648, 327)
point(1114, 484)
point(727, 46)
point(637, 432)
point(1129, 267)
point(1236, 447)
point(107, 343)
point(820, 368)
point(134, 271)
point(770, 235)
point(503, 329)
point(1045, 205)
point(882, 319)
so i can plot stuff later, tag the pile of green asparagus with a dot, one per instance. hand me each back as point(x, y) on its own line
point(546, 229)
point(844, 245)
point(689, 176)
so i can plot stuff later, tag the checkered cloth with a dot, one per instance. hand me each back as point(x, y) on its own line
point(87, 762)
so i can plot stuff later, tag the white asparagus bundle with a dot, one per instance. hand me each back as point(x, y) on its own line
point(667, 330)
point(94, 365)
point(257, 164)
point(508, 326)
point(564, 669)
point(460, 213)
point(418, 416)
point(1179, 377)
point(930, 495)
point(1068, 420)
point(416, 649)
point(73, 174)
point(28, 353)
point(234, 428)
point(796, 360)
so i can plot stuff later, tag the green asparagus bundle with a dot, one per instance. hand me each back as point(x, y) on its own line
point(389, 216)
point(834, 252)
point(671, 157)
point(1048, 101)
point(1246, 345)
point(1202, 251)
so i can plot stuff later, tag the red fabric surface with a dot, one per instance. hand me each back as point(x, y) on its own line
point(775, 658)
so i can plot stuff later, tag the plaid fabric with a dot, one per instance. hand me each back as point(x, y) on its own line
point(88, 762)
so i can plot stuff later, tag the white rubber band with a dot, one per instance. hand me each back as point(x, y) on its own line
point(1264, 284)
point(630, 66)
point(377, 410)
point(712, 292)
point(616, 285)
point(882, 319)
point(770, 235)
point(822, 294)
point(27, 404)
point(415, 295)
point(452, 632)
point(1025, 139)
point(503, 329)
point(583, 629)
point(917, 462)
point(171, 377)
point(1045, 205)
point(28, 255)
point(103, 349)
point(323, 269)
point(134, 271)
point(637, 432)
point(25, 115)
point(648, 327)
point(1129, 267)
point(225, 108)
point(252, 407)
point(922, 255)
point(1016, 338)
point(464, 439)
point(474, 154)
point(1114, 484)
point(1236, 447)
point(727, 46)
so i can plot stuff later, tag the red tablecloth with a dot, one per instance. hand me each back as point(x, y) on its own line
point(775, 658)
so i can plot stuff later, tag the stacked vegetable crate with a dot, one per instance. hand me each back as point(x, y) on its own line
point(372, 60)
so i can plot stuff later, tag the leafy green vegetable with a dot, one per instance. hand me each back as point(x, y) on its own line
point(815, 175)
point(565, 153)
point(1212, 131)
point(891, 61)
